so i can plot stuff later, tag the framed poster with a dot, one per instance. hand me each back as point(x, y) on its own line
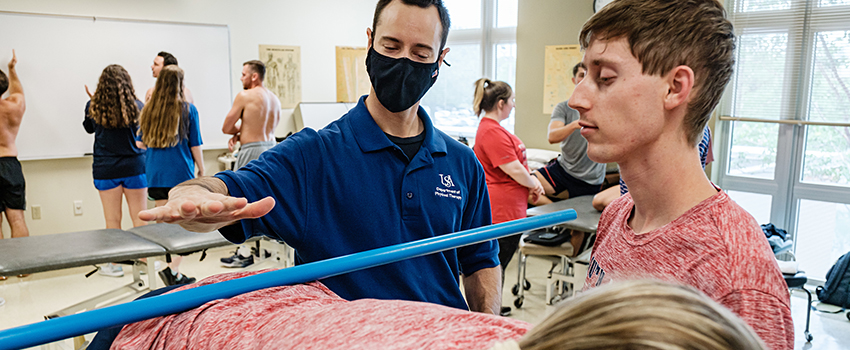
point(352, 81)
point(283, 73)
point(558, 72)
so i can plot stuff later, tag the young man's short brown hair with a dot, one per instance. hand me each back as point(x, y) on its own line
point(664, 34)
point(258, 67)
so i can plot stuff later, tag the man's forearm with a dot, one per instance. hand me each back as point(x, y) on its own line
point(209, 183)
point(15, 86)
point(231, 129)
point(483, 290)
point(556, 135)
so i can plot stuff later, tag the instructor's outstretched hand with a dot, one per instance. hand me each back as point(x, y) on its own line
point(198, 205)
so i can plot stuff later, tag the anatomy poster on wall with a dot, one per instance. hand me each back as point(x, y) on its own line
point(352, 81)
point(283, 73)
point(558, 70)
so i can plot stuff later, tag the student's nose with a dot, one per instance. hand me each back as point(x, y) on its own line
point(580, 97)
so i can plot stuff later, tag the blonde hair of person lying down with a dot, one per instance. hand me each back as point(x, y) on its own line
point(640, 314)
point(623, 315)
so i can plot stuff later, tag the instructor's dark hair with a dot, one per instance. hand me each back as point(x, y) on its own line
point(444, 15)
point(258, 67)
point(4, 82)
point(167, 58)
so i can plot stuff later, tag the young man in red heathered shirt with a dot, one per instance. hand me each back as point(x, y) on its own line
point(656, 69)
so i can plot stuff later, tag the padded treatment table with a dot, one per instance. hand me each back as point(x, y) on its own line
point(177, 240)
point(588, 217)
point(59, 251)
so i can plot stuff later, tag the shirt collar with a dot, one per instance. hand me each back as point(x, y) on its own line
point(371, 138)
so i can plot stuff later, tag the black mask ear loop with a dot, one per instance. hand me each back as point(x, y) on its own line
point(444, 60)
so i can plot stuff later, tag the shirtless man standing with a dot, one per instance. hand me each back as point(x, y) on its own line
point(163, 59)
point(259, 110)
point(12, 185)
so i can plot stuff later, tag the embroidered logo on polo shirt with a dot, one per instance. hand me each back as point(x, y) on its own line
point(447, 180)
point(447, 192)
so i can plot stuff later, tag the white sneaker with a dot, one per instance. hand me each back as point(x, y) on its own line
point(111, 270)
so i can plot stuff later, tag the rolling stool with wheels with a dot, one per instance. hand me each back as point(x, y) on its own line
point(798, 281)
point(587, 222)
point(794, 278)
point(557, 254)
point(575, 278)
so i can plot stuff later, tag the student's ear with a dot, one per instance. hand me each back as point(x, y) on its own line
point(368, 38)
point(500, 104)
point(680, 83)
point(442, 56)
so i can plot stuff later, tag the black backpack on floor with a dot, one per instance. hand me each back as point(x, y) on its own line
point(836, 290)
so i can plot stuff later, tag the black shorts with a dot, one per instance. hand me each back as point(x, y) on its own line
point(507, 247)
point(12, 184)
point(561, 181)
point(158, 193)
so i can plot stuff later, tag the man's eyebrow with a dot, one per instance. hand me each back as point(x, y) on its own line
point(389, 38)
point(394, 40)
point(601, 62)
point(424, 46)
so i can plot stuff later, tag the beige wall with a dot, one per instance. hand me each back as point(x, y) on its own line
point(541, 23)
point(317, 29)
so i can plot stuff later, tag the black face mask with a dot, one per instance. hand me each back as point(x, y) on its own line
point(399, 82)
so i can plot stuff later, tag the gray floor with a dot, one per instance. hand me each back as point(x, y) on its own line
point(29, 299)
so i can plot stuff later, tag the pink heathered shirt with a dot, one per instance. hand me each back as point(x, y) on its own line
point(716, 247)
point(310, 316)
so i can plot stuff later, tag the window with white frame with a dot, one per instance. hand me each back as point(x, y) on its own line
point(482, 43)
point(787, 157)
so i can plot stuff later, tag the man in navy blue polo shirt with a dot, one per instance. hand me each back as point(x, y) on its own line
point(378, 176)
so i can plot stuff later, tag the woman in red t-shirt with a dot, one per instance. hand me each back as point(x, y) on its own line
point(503, 157)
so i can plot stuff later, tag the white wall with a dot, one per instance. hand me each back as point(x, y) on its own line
point(316, 26)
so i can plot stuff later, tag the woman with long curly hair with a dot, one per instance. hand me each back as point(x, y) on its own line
point(118, 169)
point(172, 135)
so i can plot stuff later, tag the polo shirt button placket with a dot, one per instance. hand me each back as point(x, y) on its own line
point(409, 195)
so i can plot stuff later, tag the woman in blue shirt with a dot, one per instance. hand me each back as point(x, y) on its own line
point(170, 131)
point(118, 169)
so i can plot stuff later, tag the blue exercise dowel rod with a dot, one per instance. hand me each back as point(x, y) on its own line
point(90, 321)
